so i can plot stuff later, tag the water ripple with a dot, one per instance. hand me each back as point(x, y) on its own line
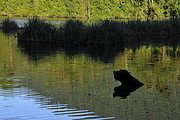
point(21, 103)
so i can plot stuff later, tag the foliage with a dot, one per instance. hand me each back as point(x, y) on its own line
point(77, 33)
point(9, 24)
point(37, 30)
point(95, 9)
point(74, 32)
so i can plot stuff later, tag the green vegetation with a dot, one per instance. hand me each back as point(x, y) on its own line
point(82, 82)
point(9, 26)
point(77, 33)
point(92, 9)
point(37, 30)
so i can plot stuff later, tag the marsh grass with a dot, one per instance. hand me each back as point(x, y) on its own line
point(77, 33)
point(37, 30)
point(108, 32)
point(9, 26)
point(74, 32)
point(154, 28)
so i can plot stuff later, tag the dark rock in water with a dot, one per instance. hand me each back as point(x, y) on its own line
point(128, 83)
point(126, 78)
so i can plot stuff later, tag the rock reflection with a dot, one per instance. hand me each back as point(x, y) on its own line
point(128, 84)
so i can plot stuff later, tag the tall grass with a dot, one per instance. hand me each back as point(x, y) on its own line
point(74, 32)
point(155, 28)
point(9, 26)
point(107, 32)
point(37, 30)
point(77, 33)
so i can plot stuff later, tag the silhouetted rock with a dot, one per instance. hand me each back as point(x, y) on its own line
point(126, 78)
point(128, 83)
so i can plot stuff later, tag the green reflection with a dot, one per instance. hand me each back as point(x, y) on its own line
point(85, 81)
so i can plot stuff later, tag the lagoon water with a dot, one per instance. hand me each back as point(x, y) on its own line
point(51, 83)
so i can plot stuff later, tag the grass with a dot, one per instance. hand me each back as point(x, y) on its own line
point(77, 33)
point(37, 30)
point(9, 26)
point(73, 32)
point(155, 28)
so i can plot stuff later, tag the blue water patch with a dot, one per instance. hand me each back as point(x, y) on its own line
point(24, 104)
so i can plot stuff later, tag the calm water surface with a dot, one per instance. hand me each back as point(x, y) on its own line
point(50, 83)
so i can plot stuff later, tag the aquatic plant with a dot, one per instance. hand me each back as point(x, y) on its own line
point(75, 33)
point(37, 30)
point(108, 32)
point(9, 26)
point(154, 28)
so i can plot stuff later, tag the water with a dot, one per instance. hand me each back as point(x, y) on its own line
point(48, 82)
point(21, 21)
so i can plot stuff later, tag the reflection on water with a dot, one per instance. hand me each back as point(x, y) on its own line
point(78, 83)
point(128, 84)
point(19, 103)
point(105, 53)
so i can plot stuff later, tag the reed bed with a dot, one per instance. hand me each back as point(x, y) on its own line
point(37, 30)
point(9, 26)
point(77, 33)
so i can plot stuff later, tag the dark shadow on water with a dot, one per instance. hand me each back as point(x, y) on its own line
point(123, 91)
point(128, 84)
point(105, 53)
point(37, 51)
point(100, 52)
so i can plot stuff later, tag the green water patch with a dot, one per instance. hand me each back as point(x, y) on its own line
point(82, 78)
point(8, 83)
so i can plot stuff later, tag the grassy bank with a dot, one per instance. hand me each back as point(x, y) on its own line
point(78, 33)
point(92, 9)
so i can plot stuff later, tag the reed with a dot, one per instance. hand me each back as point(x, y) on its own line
point(37, 30)
point(77, 33)
point(74, 32)
point(108, 32)
point(154, 28)
point(9, 26)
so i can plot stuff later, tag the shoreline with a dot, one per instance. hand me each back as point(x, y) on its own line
point(81, 18)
